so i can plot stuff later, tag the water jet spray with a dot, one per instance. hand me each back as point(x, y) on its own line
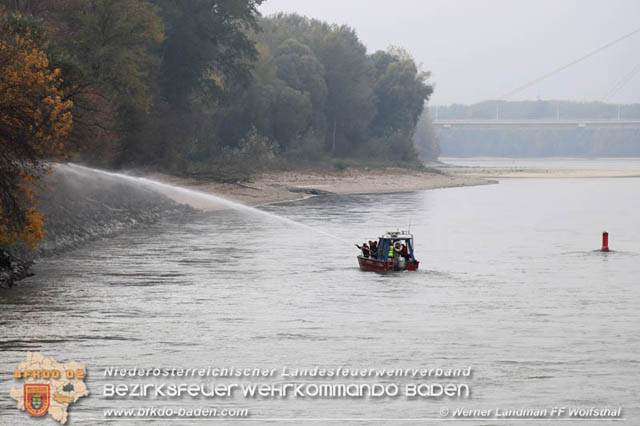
point(165, 187)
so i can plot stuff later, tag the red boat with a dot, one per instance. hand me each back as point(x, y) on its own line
point(393, 252)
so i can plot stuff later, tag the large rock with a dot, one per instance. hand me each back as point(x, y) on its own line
point(12, 269)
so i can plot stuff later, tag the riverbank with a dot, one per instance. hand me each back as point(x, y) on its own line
point(275, 187)
point(554, 167)
point(83, 205)
point(12, 269)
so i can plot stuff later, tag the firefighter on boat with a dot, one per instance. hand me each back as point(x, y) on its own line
point(392, 251)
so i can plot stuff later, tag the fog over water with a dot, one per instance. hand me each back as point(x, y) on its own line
point(480, 50)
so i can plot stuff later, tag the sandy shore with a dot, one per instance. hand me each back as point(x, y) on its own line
point(502, 173)
point(289, 186)
point(541, 168)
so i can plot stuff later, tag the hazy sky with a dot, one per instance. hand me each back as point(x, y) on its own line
point(483, 49)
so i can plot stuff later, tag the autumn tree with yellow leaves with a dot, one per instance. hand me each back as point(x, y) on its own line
point(35, 118)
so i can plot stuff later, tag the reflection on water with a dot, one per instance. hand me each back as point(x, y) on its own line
point(509, 285)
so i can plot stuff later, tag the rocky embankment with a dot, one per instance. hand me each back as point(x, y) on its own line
point(79, 206)
point(12, 268)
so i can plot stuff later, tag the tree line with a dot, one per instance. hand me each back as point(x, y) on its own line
point(192, 87)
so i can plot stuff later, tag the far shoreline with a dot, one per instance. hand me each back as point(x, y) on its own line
point(542, 167)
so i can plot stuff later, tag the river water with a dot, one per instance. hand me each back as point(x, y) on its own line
point(509, 285)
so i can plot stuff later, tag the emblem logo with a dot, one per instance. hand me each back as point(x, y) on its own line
point(36, 399)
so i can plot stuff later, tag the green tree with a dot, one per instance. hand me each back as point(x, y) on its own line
point(105, 51)
point(292, 115)
point(400, 93)
point(349, 76)
point(362, 104)
point(206, 47)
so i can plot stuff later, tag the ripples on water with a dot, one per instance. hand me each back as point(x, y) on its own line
point(509, 284)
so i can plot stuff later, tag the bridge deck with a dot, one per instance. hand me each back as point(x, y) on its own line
point(538, 123)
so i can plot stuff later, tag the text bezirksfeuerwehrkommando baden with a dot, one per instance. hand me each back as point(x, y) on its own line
point(287, 390)
point(287, 372)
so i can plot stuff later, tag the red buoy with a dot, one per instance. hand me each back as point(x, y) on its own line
point(605, 241)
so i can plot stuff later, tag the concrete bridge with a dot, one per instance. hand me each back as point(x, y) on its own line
point(564, 123)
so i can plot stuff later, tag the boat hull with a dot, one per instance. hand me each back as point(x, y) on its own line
point(370, 264)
